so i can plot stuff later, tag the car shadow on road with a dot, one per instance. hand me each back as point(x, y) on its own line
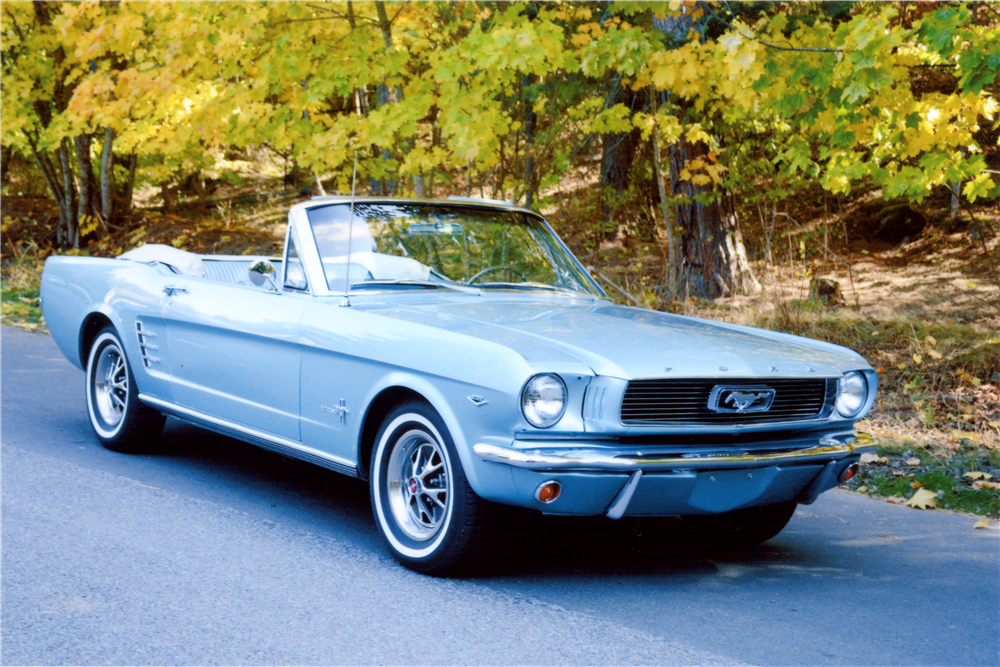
point(549, 545)
point(525, 541)
point(272, 479)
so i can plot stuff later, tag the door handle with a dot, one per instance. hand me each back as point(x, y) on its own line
point(172, 290)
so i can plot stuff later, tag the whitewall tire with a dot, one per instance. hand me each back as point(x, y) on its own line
point(120, 421)
point(425, 510)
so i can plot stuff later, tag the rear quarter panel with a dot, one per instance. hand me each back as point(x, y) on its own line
point(73, 288)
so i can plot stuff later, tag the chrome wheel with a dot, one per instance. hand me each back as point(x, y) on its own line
point(418, 483)
point(110, 385)
point(119, 419)
point(426, 511)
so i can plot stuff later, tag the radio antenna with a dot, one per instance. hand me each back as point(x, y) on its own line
point(350, 234)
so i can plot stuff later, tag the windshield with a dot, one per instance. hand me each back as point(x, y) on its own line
point(429, 245)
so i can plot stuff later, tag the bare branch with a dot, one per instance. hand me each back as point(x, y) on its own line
point(335, 14)
point(772, 45)
point(393, 19)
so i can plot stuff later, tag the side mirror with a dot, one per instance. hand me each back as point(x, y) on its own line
point(261, 272)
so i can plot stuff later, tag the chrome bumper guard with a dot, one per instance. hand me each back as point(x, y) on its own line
point(582, 459)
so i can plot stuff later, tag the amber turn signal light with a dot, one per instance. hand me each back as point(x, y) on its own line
point(547, 491)
point(849, 472)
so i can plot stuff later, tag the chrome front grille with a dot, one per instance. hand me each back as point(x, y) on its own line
point(686, 401)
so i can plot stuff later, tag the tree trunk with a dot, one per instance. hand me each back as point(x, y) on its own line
point(618, 152)
point(107, 186)
point(714, 259)
point(395, 94)
point(69, 201)
point(123, 205)
point(88, 189)
point(387, 94)
point(6, 152)
point(317, 185)
point(52, 179)
point(670, 271)
point(530, 119)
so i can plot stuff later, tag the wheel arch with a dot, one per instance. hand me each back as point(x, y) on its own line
point(92, 325)
point(398, 386)
point(380, 406)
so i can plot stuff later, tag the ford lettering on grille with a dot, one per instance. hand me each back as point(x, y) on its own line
point(740, 399)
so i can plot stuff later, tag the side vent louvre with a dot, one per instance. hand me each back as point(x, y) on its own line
point(145, 346)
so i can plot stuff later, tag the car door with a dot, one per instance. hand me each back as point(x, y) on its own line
point(233, 352)
point(336, 376)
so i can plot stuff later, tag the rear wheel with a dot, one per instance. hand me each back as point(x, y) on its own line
point(741, 528)
point(119, 420)
point(430, 518)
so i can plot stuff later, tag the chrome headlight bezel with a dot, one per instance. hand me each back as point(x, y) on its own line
point(547, 387)
point(852, 394)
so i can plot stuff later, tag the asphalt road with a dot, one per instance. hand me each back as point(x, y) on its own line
point(216, 552)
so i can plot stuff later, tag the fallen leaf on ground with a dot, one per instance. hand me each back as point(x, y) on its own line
point(982, 523)
point(914, 461)
point(895, 500)
point(975, 474)
point(986, 485)
point(897, 473)
point(868, 458)
point(923, 499)
point(963, 375)
point(915, 485)
point(862, 489)
point(934, 354)
point(930, 340)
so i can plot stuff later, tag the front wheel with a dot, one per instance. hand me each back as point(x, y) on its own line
point(119, 420)
point(428, 515)
point(741, 528)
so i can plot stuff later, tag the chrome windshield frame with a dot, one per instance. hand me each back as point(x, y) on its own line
point(312, 262)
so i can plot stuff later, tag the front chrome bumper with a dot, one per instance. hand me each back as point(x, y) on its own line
point(831, 447)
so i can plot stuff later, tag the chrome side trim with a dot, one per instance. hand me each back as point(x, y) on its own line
point(830, 447)
point(616, 509)
point(275, 443)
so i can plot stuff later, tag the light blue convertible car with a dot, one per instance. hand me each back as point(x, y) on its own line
point(455, 354)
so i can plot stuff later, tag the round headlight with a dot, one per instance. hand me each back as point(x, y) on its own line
point(852, 391)
point(543, 400)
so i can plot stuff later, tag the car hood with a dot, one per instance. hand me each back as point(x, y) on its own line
point(625, 342)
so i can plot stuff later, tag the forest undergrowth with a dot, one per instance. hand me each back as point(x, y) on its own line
point(924, 311)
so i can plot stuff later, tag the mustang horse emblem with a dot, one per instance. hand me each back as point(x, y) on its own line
point(740, 399)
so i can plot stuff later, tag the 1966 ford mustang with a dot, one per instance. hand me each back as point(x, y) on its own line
point(455, 354)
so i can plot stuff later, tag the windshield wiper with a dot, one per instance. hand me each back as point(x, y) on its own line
point(409, 282)
point(527, 286)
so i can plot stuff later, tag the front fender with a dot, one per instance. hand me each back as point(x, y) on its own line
point(466, 421)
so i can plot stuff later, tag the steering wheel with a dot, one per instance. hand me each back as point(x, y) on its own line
point(490, 269)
